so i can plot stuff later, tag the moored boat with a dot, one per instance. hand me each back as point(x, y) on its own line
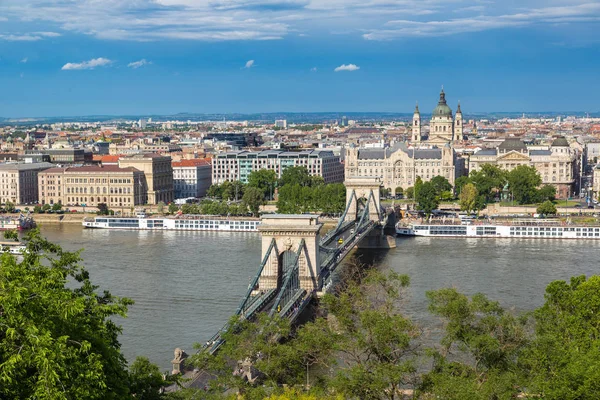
point(12, 247)
point(182, 222)
point(21, 222)
point(518, 228)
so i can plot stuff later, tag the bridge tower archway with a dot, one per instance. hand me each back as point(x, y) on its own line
point(286, 238)
point(367, 188)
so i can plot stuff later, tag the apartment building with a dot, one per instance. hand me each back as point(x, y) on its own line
point(92, 185)
point(237, 165)
point(191, 178)
point(19, 182)
point(158, 173)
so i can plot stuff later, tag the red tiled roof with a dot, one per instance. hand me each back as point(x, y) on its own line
point(109, 159)
point(191, 163)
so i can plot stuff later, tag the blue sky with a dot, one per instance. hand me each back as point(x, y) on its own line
point(82, 57)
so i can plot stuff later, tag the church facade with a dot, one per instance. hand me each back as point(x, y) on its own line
point(444, 127)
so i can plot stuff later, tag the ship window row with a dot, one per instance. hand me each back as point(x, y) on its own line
point(530, 233)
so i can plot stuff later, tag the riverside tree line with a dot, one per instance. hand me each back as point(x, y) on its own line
point(523, 184)
point(59, 340)
point(297, 192)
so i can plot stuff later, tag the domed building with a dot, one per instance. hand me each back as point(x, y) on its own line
point(443, 127)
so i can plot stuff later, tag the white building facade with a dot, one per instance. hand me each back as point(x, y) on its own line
point(237, 165)
point(191, 178)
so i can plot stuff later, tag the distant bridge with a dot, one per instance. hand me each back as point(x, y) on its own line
point(297, 263)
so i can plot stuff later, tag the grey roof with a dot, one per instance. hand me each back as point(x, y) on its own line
point(560, 142)
point(512, 144)
point(540, 153)
point(486, 152)
point(425, 154)
point(371, 154)
point(25, 166)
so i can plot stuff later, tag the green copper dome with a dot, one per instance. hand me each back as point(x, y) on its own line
point(442, 109)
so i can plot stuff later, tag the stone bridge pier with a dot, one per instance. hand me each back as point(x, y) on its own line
point(288, 232)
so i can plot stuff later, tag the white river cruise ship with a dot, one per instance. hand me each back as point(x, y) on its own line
point(525, 229)
point(182, 222)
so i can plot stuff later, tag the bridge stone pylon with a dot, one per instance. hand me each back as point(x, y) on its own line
point(289, 232)
point(362, 188)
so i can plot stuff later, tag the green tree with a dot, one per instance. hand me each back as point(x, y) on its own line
point(468, 198)
point(295, 175)
point(9, 207)
point(523, 182)
point(160, 207)
point(563, 361)
point(375, 339)
point(459, 183)
point(410, 192)
point(57, 206)
point(263, 179)
point(399, 191)
point(546, 192)
point(37, 209)
point(57, 335)
point(146, 380)
point(480, 330)
point(237, 187)
point(440, 184)
point(46, 207)
point(489, 180)
point(427, 198)
point(102, 209)
point(227, 191)
point(253, 199)
point(173, 208)
point(417, 187)
point(546, 208)
point(214, 191)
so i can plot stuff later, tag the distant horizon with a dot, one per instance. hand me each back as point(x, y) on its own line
point(275, 114)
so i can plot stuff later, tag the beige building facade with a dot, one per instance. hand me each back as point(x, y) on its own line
point(92, 185)
point(557, 164)
point(399, 166)
point(158, 173)
point(19, 182)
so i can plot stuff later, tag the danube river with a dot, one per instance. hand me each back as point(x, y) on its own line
point(187, 284)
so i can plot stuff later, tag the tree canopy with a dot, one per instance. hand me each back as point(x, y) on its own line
point(263, 179)
point(523, 182)
point(427, 198)
point(57, 341)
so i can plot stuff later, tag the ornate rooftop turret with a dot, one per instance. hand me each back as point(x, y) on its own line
point(417, 108)
point(458, 111)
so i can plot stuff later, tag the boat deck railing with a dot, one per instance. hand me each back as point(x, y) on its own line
point(487, 222)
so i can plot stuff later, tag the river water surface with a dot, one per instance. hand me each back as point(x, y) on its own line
point(187, 284)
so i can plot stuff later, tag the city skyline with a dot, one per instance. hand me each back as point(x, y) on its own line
point(236, 56)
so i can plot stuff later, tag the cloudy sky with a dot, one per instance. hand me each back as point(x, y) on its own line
point(76, 57)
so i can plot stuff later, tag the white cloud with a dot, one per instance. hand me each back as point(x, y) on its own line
point(91, 64)
point(313, 69)
point(137, 64)
point(223, 20)
point(27, 37)
point(24, 60)
point(249, 64)
point(347, 67)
